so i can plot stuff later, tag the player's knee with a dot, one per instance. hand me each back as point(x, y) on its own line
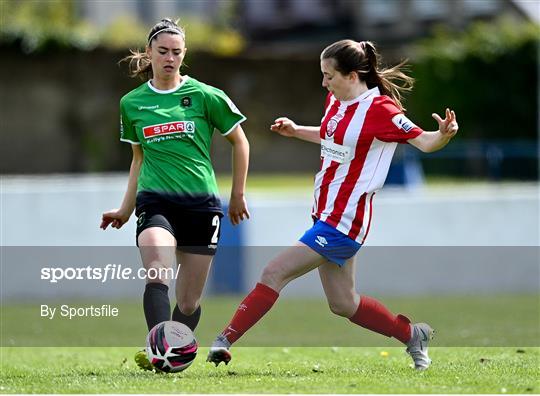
point(188, 307)
point(272, 277)
point(343, 308)
point(157, 273)
point(268, 276)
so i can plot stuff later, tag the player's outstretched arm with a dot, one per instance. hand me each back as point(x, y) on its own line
point(118, 217)
point(429, 142)
point(288, 128)
point(238, 210)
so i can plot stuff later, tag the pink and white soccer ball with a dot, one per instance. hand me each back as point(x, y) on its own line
point(171, 346)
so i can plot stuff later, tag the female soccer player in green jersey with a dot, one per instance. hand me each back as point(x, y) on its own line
point(169, 121)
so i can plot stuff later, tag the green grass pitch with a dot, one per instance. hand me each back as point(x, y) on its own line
point(274, 370)
point(484, 344)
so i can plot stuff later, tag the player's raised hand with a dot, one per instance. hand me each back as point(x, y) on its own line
point(284, 127)
point(116, 218)
point(448, 126)
point(238, 210)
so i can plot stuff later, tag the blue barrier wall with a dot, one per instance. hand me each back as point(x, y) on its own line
point(475, 215)
point(227, 274)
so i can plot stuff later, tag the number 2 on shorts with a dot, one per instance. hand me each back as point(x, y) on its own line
point(215, 223)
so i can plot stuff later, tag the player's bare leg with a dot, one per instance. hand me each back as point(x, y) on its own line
point(339, 287)
point(192, 276)
point(343, 300)
point(157, 248)
point(288, 265)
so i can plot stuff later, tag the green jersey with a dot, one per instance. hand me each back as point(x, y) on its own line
point(175, 129)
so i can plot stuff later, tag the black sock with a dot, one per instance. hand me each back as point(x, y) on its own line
point(190, 321)
point(157, 307)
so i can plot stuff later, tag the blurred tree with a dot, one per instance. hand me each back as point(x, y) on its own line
point(124, 32)
point(40, 26)
point(488, 74)
point(211, 38)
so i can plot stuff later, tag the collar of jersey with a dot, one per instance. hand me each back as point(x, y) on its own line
point(366, 95)
point(168, 91)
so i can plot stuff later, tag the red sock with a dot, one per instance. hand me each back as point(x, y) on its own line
point(374, 316)
point(254, 307)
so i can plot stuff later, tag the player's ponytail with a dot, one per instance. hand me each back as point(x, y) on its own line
point(363, 58)
point(139, 64)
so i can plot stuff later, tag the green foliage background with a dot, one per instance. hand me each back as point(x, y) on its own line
point(41, 26)
point(488, 74)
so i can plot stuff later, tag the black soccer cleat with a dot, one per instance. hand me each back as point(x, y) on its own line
point(219, 354)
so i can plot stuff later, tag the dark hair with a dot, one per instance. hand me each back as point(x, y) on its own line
point(139, 62)
point(362, 57)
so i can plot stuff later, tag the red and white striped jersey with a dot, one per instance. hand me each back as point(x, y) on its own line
point(358, 140)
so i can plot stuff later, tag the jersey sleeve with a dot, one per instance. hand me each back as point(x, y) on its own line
point(394, 126)
point(127, 131)
point(222, 112)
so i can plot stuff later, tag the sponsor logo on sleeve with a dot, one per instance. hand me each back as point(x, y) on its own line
point(402, 122)
point(232, 106)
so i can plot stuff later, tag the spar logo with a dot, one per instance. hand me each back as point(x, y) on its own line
point(186, 128)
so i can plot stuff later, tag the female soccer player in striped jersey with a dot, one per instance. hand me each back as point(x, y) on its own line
point(169, 121)
point(361, 127)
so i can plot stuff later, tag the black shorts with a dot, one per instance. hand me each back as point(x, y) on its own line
point(195, 231)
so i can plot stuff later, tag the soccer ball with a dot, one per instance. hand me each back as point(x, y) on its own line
point(171, 346)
